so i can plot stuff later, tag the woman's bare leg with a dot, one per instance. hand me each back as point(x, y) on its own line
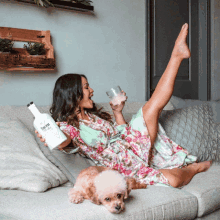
point(178, 177)
point(165, 86)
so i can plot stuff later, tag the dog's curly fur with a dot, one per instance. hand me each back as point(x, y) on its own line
point(102, 185)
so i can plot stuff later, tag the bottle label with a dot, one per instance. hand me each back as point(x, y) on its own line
point(46, 127)
point(50, 131)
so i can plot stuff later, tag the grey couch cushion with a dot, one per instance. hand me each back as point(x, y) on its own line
point(69, 164)
point(154, 202)
point(22, 164)
point(212, 216)
point(205, 186)
point(194, 129)
point(178, 103)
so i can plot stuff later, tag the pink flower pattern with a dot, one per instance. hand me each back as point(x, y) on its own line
point(129, 153)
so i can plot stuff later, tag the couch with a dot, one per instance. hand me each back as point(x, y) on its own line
point(34, 181)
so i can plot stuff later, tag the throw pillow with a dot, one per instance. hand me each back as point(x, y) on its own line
point(22, 164)
point(194, 129)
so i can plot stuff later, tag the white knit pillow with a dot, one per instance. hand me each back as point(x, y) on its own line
point(22, 164)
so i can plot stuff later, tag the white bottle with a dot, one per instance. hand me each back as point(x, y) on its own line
point(47, 127)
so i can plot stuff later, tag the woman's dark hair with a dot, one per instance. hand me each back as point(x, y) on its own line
point(67, 94)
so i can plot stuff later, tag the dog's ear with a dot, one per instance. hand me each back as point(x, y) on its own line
point(95, 199)
point(127, 193)
point(129, 187)
point(92, 195)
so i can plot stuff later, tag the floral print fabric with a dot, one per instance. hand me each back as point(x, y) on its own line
point(126, 148)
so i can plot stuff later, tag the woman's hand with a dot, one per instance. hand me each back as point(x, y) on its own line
point(118, 108)
point(64, 144)
point(41, 138)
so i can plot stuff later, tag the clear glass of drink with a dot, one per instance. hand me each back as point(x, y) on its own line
point(116, 96)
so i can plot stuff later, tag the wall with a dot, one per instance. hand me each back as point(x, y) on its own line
point(215, 50)
point(108, 47)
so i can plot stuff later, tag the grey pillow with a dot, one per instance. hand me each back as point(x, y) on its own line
point(22, 164)
point(69, 164)
point(194, 129)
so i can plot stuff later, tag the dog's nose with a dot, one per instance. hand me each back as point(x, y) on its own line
point(118, 207)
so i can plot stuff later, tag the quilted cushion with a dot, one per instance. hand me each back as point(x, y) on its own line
point(194, 129)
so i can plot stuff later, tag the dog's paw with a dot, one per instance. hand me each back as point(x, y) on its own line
point(76, 198)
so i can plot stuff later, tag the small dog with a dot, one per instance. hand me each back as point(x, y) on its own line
point(102, 185)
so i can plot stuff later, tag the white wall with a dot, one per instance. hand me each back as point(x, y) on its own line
point(109, 48)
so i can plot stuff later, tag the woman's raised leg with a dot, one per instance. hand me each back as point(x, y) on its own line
point(165, 86)
point(177, 177)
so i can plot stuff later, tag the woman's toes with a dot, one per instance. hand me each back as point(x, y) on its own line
point(181, 48)
point(185, 26)
point(183, 33)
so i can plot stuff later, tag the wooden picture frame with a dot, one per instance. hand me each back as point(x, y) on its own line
point(19, 59)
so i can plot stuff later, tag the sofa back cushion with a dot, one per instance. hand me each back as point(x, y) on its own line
point(194, 129)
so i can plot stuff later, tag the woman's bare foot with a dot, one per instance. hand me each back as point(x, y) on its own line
point(178, 177)
point(202, 166)
point(181, 48)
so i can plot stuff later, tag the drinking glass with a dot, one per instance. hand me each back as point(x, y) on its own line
point(116, 96)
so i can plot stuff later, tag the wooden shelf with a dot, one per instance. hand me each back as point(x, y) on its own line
point(19, 59)
point(66, 5)
point(71, 5)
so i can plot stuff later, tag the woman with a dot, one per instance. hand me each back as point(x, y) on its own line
point(139, 149)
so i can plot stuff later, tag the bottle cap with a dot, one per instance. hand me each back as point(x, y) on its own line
point(30, 104)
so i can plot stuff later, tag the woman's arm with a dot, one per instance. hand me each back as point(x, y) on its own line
point(65, 143)
point(119, 118)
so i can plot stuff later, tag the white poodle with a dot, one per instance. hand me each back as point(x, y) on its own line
point(102, 185)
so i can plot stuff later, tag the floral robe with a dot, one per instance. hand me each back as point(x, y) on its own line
point(126, 148)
